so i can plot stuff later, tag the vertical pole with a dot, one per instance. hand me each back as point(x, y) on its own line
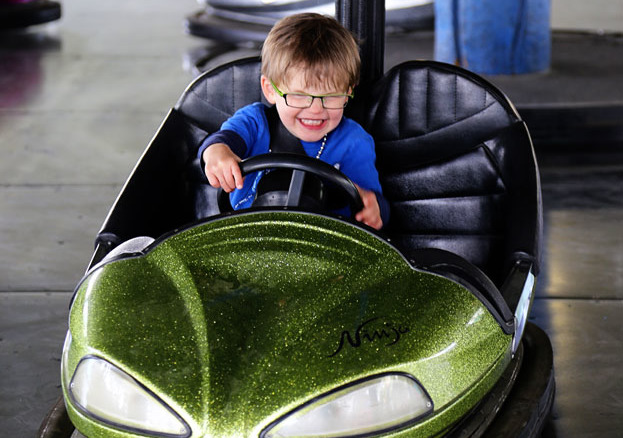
point(366, 20)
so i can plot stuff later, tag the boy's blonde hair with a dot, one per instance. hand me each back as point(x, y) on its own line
point(319, 45)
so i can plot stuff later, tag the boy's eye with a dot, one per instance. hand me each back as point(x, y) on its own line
point(302, 100)
point(334, 101)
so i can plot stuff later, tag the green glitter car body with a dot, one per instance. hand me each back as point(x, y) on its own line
point(237, 322)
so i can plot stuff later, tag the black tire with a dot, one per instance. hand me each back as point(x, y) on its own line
point(527, 408)
point(56, 423)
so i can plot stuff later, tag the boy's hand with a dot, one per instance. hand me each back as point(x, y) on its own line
point(221, 167)
point(371, 212)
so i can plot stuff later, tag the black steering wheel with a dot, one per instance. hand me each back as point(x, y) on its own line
point(300, 165)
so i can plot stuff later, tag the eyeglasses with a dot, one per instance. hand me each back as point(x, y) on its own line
point(300, 100)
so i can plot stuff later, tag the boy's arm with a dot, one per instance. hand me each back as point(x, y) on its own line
point(239, 133)
point(220, 154)
point(231, 138)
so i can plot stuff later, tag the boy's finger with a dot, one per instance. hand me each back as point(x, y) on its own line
point(213, 180)
point(374, 222)
point(219, 181)
point(368, 198)
point(369, 215)
point(237, 174)
point(228, 182)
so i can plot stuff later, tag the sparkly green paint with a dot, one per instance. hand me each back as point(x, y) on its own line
point(236, 322)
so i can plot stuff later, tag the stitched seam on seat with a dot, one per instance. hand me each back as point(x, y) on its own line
point(207, 104)
point(418, 230)
point(448, 197)
point(232, 86)
point(427, 100)
point(456, 96)
point(492, 237)
point(403, 139)
point(484, 98)
point(484, 108)
point(400, 104)
point(496, 165)
point(473, 194)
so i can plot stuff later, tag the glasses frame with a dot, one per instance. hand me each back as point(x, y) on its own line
point(311, 102)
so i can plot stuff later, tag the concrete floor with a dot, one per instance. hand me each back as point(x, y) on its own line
point(80, 99)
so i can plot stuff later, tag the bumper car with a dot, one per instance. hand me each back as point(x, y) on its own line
point(289, 320)
point(241, 21)
point(16, 14)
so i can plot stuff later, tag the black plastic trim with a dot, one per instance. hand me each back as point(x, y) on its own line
point(454, 267)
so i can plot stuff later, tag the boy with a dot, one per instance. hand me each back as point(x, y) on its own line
point(310, 65)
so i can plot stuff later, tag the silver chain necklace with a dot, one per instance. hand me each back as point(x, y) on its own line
point(324, 141)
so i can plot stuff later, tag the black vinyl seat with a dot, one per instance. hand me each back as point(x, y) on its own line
point(455, 160)
point(456, 165)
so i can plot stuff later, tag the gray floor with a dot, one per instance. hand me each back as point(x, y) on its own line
point(80, 99)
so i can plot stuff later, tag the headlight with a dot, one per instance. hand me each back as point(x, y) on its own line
point(374, 405)
point(104, 392)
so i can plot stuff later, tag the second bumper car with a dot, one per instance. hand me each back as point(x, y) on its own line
point(243, 21)
point(16, 14)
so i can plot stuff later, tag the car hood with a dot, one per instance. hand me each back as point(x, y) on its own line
point(237, 321)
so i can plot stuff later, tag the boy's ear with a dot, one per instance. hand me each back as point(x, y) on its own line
point(268, 90)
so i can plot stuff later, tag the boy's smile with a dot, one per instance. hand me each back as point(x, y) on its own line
point(307, 124)
point(312, 120)
point(313, 123)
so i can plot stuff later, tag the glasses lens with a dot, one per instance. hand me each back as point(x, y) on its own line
point(334, 102)
point(305, 100)
point(298, 100)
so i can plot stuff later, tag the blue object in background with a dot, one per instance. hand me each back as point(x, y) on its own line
point(494, 36)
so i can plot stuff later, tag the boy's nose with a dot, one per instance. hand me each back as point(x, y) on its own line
point(316, 104)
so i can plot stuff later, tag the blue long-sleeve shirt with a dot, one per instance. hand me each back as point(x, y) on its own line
point(348, 147)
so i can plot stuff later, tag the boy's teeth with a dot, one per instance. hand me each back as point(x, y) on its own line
point(311, 122)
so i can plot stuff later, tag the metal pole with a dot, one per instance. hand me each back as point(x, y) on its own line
point(366, 19)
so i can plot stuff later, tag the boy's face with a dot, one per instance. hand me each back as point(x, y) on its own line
point(308, 124)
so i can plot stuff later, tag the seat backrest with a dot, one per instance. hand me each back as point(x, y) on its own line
point(456, 162)
point(216, 95)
